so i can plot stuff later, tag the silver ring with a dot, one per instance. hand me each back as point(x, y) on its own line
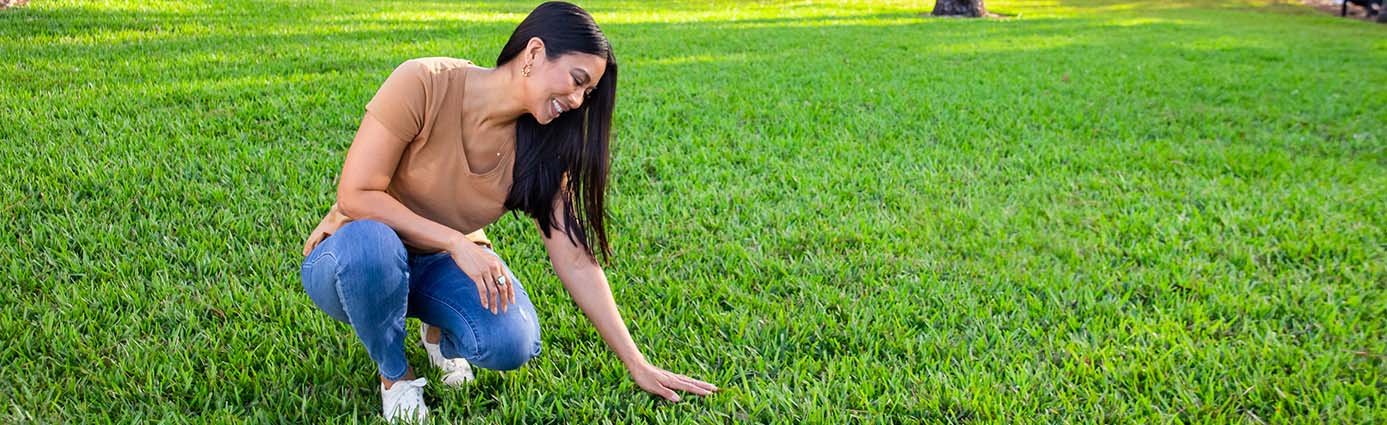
point(501, 280)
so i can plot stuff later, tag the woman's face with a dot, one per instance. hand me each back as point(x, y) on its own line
point(561, 84)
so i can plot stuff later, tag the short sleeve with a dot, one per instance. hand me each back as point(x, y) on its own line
point(401, 102)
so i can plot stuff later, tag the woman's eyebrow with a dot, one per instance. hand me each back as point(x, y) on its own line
point(584, 75)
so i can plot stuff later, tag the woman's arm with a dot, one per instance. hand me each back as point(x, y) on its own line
point(371, 161)
point(585, 281)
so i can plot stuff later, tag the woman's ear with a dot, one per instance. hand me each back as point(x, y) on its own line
point(534, 49)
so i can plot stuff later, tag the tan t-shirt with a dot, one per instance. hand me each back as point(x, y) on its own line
point(421, 102)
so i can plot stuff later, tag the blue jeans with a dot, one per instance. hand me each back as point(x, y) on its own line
point(363, 276)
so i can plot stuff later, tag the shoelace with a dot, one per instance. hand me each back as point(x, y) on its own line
point(416, 394)
point(456, 372)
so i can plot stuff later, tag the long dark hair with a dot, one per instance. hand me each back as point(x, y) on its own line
point(573, 145)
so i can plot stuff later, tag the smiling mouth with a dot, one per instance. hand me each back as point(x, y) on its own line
point(556, 107)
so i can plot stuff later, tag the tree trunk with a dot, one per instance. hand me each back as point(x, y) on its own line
point(968, 8)
point(1382, 13)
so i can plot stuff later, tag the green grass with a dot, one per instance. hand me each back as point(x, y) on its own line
point(1098, 212)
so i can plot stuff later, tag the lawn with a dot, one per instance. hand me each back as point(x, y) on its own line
point(1093, 211)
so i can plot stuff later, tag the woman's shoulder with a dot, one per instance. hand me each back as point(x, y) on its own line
point(416, 90)
point(436, 64)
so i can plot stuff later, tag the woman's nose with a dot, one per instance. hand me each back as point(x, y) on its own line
point(576, 99)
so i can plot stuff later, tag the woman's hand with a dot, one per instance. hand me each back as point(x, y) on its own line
point(484, 269)
point(663, 383)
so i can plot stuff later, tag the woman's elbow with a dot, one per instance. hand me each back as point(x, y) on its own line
point(355, 203)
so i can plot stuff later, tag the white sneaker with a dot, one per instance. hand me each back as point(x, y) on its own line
point(404, 401)
point(455, 371)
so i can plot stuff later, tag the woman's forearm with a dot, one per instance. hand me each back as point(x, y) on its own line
point(587, 284)
point(413, 229)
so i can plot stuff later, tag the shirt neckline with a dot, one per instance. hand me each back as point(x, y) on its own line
point(506, 154)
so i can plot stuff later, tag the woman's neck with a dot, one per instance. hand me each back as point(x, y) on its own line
point(493, 97)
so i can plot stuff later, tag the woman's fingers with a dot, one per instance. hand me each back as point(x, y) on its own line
point(510, 287)
point(507, 289)
point(668, 384)
point(672, 381)
point(498, 297)
point(481, 290)
point(666, 392)
point(506, 293)
point(468, 265)
point(486, 286)
point(700, 384)
point(484, 271)
point(652, 380)
point(679, 383)
point(699, 387)
point(495, 296)
point(314, 239)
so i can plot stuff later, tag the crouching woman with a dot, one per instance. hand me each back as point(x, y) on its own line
point(444, 149)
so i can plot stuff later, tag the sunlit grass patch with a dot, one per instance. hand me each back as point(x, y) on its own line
point(1098, 211)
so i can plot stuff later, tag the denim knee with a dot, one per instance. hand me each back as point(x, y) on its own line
point(510, 348)
point(509, 354)
point(373, 255)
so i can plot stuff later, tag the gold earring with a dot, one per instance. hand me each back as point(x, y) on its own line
point(526, 70)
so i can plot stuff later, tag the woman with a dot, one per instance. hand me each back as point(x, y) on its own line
point(446, 148)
